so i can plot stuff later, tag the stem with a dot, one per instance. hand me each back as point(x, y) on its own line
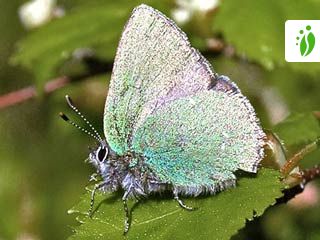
point(30, 92)
point(94, 67)
point(293, 161)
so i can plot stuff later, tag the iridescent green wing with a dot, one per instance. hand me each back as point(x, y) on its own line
point(200, 140)
point(154, 65)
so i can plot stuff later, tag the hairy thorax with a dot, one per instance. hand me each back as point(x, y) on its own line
point(129, 172)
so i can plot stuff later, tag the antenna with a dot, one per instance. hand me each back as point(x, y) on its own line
point(76, 110)
point(65, 118)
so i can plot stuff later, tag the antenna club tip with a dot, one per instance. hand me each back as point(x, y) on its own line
point(63, 116)
point(69, 101)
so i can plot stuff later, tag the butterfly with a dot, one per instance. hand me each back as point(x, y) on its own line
point(170, 122)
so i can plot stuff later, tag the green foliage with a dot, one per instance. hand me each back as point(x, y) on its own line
point(298, 129)
point(96, 25)
point(284, 223)
point(42, 172)
point(217, 217)
point(256, 28)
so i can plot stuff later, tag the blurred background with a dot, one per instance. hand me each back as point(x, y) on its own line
point(52, 48)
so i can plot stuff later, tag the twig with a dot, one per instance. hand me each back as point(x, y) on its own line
point(293, 161)
point(94, 67)
point(27, 93)
point(307, 176)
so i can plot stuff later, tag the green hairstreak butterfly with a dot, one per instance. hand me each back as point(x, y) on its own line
point(171, 123)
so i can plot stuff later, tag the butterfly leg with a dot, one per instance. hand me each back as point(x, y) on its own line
point(181, 203)
point(126, 210)
point(93, 193)
point(93, 177)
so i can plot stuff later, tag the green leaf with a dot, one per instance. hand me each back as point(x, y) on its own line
point(298, 129)
point(216, 217)
point(300, 91)
point(96, 25)
point(296, 132)
point(256, 28)
point(292, 222)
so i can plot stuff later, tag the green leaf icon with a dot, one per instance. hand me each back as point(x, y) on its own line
point(307, 43)
point(311, 41)
point(303, 46)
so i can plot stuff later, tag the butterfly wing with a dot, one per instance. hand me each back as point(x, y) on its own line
point(159, 105)
point(197, 142)
point(154, 65)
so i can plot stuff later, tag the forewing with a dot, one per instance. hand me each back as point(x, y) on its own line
point(154, 65)
point(201, 140)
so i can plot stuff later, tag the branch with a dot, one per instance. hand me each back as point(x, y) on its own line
point(94, 67)
point(307, 176)
point(30, 92)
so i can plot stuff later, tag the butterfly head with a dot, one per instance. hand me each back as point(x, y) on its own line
point(99, 157)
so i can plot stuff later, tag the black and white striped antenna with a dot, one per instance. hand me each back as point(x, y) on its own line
point(95, 133)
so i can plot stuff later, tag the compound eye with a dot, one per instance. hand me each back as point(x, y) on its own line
point(102, 154)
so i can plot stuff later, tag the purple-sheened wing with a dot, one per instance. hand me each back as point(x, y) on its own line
point(154, 65)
